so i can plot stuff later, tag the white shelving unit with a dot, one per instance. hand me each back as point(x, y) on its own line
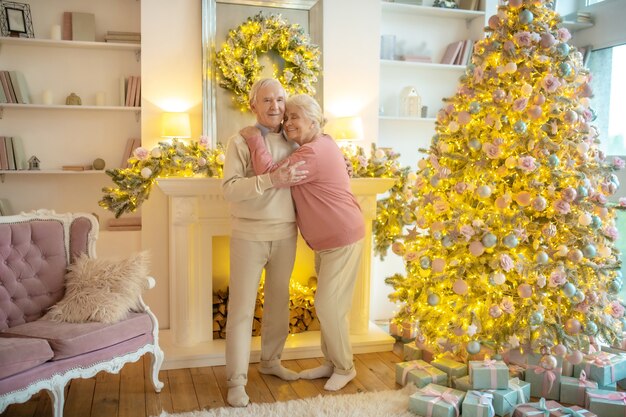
point(59, 134)
point(426, 31)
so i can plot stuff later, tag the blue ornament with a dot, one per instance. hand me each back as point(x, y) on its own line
point(474, 144)
point(425, 262)
point(591, 328)
point(614, 286)
point(614, 179)
point(474, 107)
point(536, 318)
point(520, 127)
point(596, 222)
point(433, 299)
point(489, 240)
point(553, 160)
point(510, 241)
point(618, 274)
point(565, 69)
point(589, 251)
point(569, 289)
point(447, 241)
point(581, 192)
point(473, 347)
point(562, 49)
point(525, 17)
point(484, 191)
point(541, 257)
point(578, 297)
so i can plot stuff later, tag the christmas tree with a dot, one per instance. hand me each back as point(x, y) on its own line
point(514, 237)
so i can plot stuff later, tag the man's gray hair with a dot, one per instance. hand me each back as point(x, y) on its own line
point(260, 84)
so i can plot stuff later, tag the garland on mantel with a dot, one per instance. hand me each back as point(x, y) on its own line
point(197, 159)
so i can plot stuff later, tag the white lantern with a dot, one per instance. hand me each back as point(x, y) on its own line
point(411, 103)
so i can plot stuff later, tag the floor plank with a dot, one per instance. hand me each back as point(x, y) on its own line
point(207, 388)
point(375, 364)
point(132, 391)
point(80, 397)
point(106, 396)
point(303, 387)
point(182, 391)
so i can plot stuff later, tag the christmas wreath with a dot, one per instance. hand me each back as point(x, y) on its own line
point(238, 59)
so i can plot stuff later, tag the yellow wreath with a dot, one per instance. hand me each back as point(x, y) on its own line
point(238, 58)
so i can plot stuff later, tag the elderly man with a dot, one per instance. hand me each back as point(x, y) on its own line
point(263, 236)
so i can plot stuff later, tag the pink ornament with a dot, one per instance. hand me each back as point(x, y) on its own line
point(459, 287)
point(572, 326)
point(476, 248)
point(547, 40)
point(494, 22)
point(515, 3)
point(559, 350)
point(523, 198)
point(525, 291)
point(464, 117)
point(539, 99)
point(438, 264)
point(576, 357)
point(534, 112)
point(501, 203)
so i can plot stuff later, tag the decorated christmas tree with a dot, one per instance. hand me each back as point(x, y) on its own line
point(514, 237)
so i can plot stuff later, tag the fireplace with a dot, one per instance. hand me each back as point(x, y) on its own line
point(197, 214)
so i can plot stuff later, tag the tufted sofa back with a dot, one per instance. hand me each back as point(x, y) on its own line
point(34, 256)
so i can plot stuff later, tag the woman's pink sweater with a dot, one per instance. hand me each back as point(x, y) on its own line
point(327, 213)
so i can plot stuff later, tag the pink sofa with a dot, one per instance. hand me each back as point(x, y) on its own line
point(37, 354)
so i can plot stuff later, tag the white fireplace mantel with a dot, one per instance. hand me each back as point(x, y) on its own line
point(197, 213)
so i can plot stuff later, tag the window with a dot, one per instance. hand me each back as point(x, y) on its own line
point(608, 67)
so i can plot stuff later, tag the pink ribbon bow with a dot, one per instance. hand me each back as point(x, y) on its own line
point(549, 376)
point(614, 396)
point(584, 383)
point(445, 396)
point(600, 359)
point(418, 366)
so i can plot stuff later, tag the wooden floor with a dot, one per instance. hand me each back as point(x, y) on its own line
point(130, 393)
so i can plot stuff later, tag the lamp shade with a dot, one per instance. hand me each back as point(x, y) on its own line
point(175, 125)
point(345, 128)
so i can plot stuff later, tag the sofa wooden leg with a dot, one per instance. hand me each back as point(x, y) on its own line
point(57, 395)
point(156, 360)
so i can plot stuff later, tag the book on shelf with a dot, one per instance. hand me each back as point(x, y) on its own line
point(83, 27)
point(3, 96)
point(451, 53)
point(131, 145)
point(418, 58)
point(8, 144)
point(20, 87)
point(4, 160)
point(7, 86)
point(66, 33)
point(5, 207)
point(122, 37)
point(137, 101)
point(465, 54)
point(19, 156)
point(76, 167)
point(130, 91)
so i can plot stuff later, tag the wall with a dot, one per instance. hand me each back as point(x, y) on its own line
point(171, 73)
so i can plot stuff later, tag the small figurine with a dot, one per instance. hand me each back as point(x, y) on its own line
point(98, 164)
point(447, 4)
point(73, 100)
point(33, 163)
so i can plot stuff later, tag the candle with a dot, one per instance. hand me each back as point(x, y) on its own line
point(55, 32)
point(100, 98)
point(47, 97)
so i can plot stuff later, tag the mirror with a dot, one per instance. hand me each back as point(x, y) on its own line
point(220, 117)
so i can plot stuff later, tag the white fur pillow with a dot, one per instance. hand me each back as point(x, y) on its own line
point(102, 290)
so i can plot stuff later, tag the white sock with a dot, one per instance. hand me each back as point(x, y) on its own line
point(322, 371)
point(280, 371)
point(237, 396)
point(338, 381)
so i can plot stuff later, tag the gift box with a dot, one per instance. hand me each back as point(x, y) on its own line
point(488, 374)
point(450, 367)
point(574, 390)
point(504, 400)
point(543, 382)
point(412, 352)
point(516, 371)
point(609, 387)
point(540, 408)
point(517, 356)
point(462, 383)
point(404, 331)
point(419, 373)
point(478, 404)
point(436, 401)
point(573, 411)
point(602, 367)
point(606, 403)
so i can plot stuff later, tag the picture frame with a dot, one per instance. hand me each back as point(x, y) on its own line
point(15, 20)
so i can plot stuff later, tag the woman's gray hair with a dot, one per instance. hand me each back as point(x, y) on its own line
point(309, 106)
point(258, 84)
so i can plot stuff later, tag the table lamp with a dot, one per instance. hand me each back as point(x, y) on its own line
point(175, 125)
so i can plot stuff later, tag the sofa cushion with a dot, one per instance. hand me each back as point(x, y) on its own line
point(18, 354)
point(101, 289)
point(71, 339)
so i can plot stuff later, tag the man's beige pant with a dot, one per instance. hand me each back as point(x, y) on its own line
point(247, 260)
point(336, 276)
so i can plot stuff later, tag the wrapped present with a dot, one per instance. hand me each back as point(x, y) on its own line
point(606, 403)
point(410, 352)
point(484, 353)
point(516, 371)
point(404, 331)
point(420, 373)
point(609, 387)
point(462, 383)
point(517, 356)
point(478, 404)
point(573, 411)
point(574, 390)
point(488, 374)
point(450, 367)
point(436, 401)
point(540, 408)
point(616, 350)
point(504, 400)
point(603, 367)
point(543, 382)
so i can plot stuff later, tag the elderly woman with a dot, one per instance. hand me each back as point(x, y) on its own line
point(331, 222)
